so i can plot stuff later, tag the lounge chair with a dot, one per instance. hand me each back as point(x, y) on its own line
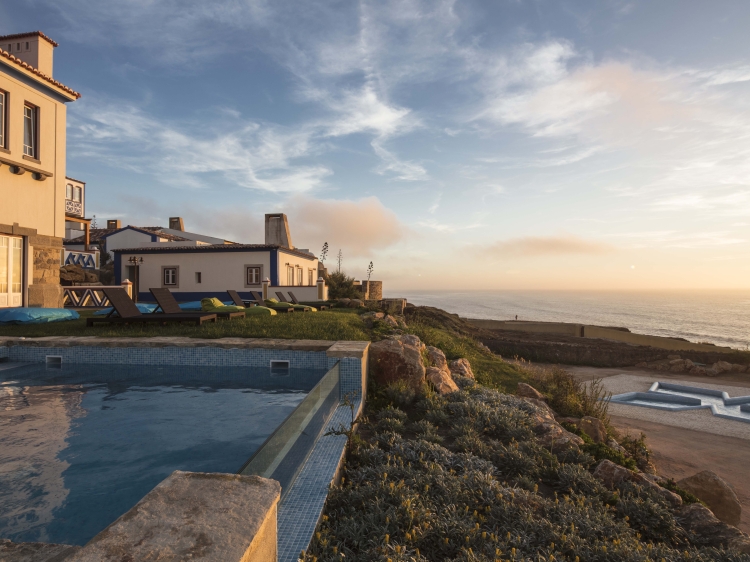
point(169, 305)
point(295, 301)
point(238, 300)
point(261, 302)
point(297, 306)
point(128, 313)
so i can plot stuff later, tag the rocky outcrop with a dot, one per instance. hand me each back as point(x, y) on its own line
point(613, 475)
point(35, 551)
point(594, 428)
point(398, 358)
point(708, 487)
point(550, 433)
point(72, 274)
point(461, 367)
point(527, 391)
point(437, 358)
point(706, 529)
point(441, 380)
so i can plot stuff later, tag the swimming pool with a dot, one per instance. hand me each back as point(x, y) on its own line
point(80, 444)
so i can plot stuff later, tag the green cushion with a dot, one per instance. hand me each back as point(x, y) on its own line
point(215, 305)
point(273, 303)
point(259, 311)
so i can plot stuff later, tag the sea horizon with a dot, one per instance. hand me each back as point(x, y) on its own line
point(718, 316)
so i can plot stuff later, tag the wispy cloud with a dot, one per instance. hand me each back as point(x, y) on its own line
point(541, 246)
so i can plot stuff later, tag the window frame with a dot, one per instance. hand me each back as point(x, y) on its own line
point(198, 277)
point(164, 270)
point(300, 276)
point(34, 132)
point(289, 276)
point(4, 121)
point(259, 267)
point(78, 192)
point(69, 188)
point(311, 281)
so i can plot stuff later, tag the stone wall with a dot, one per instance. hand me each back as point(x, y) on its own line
point(371, 290)
point(44, 289)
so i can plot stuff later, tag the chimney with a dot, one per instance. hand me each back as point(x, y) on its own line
point(35, 49)
point(277, 231)
point(114, 224)
point(175, 223)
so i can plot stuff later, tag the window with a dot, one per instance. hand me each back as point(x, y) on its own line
point(289, 275)
point(30, 116)
point(253, 275)
point(27, 45)
point(299, 276)
point(197, 276)
point(77, 192)
point(311, 277)
point(170, 276)
point(3, 107)
point(69, 192)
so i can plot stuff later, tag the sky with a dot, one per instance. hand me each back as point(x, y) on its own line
point(503, 144)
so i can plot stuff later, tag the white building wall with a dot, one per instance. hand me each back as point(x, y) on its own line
point(287, 260)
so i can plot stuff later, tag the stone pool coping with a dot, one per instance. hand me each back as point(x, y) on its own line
point(331, 347)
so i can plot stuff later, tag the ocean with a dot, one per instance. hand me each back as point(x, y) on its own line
point(718, 317)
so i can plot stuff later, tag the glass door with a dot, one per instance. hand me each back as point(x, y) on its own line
point(11, 271)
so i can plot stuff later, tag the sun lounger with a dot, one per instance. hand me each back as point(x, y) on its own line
point(128, 313)
point(295, 301)
point(238, 300)
point(259, 297)
point(169, 305)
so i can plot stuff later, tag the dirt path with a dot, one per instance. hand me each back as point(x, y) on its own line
point(678, 453)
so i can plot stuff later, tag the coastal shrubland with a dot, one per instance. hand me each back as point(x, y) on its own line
point(465, 476)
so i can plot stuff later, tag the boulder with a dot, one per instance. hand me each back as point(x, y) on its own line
point(572, 421)
point(396, 359)
point(441, 380)
point(673, 357)
point(707, 529)
point(527, 391)
point(708, 487)
point(390, 321)
point(721, 367)
point(698, 371)
point(677, 366)
point(550, 433)
point(736, 368)
point(461, 367)
point(612, 444)
point(355, 303)
point(613, 475)
point(642, 365)
point(70, 274)
point(594, 428)
point(437, 359)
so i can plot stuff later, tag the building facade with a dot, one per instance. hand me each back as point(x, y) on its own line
point(32, 171)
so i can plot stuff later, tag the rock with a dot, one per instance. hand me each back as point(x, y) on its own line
point(642, 365)
point(707, 530)
point(594, 428)
point(355, 303)
point(721, 367)
point(708, 487)
point(390, 321)
point(673, 357)
point(698, 371)
point(35, 551)
point(612, 444)
point(613, 475)
point(550, 433)
point(437, 359)
point(736, 368)
point(441, 380)
point(70, 274)
point(689, 364)
point(396, 359)
point(461, 367)
point(527, 391)
point(677, 366)
point(344, 301)
point(572, 421)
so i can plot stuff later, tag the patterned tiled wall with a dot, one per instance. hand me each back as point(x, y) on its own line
point(208, 356)
point(4, 353)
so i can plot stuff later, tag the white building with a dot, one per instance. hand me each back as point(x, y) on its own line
point(193, 270)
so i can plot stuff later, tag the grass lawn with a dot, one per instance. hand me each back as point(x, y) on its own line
point(337, 324)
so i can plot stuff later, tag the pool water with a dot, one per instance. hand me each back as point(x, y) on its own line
point(82, 444)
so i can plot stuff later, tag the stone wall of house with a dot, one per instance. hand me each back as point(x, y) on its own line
point(45, 290)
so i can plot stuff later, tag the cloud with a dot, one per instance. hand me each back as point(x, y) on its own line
point(247, 153)
point(358, 227)
point(540, 246)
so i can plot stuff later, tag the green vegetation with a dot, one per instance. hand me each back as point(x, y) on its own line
point(341, 286)
point(463, 478)
point(336, 324)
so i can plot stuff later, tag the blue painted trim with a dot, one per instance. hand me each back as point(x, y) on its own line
point(154, 238)
point(118, 267)
point(275, 268)
point(190, 296)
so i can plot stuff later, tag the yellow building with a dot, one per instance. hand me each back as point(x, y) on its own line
point(32, 171)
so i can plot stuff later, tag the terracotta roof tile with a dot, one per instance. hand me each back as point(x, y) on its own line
point(41, 75)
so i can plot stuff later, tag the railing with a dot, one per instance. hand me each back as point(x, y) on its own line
point(87, 260)
point(284, 453)
point(91, 296)
point(74, 207)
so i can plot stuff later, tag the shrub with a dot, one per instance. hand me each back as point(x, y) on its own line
point(340, 286)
